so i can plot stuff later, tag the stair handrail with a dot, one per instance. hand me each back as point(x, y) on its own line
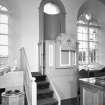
point(56, 93)
point(30, 85)
point(54, 89)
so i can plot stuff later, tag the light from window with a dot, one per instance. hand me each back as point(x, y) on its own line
point(87, 45)
point(3, 40)
point(3, 18)
point(3, 51)
point(3, 29)
point(51, 8)
point(3, 32)
point(2, 8)
point(88, 17)
point(87, 30)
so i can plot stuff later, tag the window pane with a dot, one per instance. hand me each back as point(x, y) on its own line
point(87, 41)
point(92, 55)
point(92, 37)
point(82, 33)
point(85, 30)
point(92, 45)
point(83, 44)
point(83, 56)
point(92, 30)
point(51, 8)
point(80, 44)
point(3, 28)
point(3, 18)
point(4, 9)
point(80, 29)
point(3, 51)
point(85, 37)
point(92, 34)
point(3, 40)
point(79, 36)
point(81, 22)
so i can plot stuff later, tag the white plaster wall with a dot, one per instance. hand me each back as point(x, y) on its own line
point(24, 30)
point(72, 7)
point(64, 81)
point(30, 31)
point(12, 80)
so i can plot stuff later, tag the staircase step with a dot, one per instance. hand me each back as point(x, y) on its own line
point(42, 85)
point(35, 74)
point(44, 93)
point(48, 101)
point(40, 78)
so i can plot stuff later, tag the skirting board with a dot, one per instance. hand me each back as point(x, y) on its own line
point(70, 101)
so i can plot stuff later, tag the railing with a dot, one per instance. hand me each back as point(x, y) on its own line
point(55, 91)
point(56, 94)
point(30, 86)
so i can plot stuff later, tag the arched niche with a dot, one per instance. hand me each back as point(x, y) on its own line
point(50, 25)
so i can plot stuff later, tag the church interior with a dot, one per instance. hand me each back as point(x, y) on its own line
point(52, 52)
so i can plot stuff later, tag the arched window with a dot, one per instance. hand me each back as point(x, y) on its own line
point(3, 31)
point(51, 8)
point(87, 28)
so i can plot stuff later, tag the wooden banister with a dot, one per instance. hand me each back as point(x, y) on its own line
point(29, 82)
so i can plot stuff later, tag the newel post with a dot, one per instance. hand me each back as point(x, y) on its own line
point(34, 92)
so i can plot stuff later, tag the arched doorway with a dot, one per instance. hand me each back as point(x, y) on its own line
point(51, 19)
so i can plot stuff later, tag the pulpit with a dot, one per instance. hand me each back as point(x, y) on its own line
point(57, 59)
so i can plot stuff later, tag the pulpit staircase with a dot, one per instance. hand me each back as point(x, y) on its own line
point(36, 87)
point(44, 93)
